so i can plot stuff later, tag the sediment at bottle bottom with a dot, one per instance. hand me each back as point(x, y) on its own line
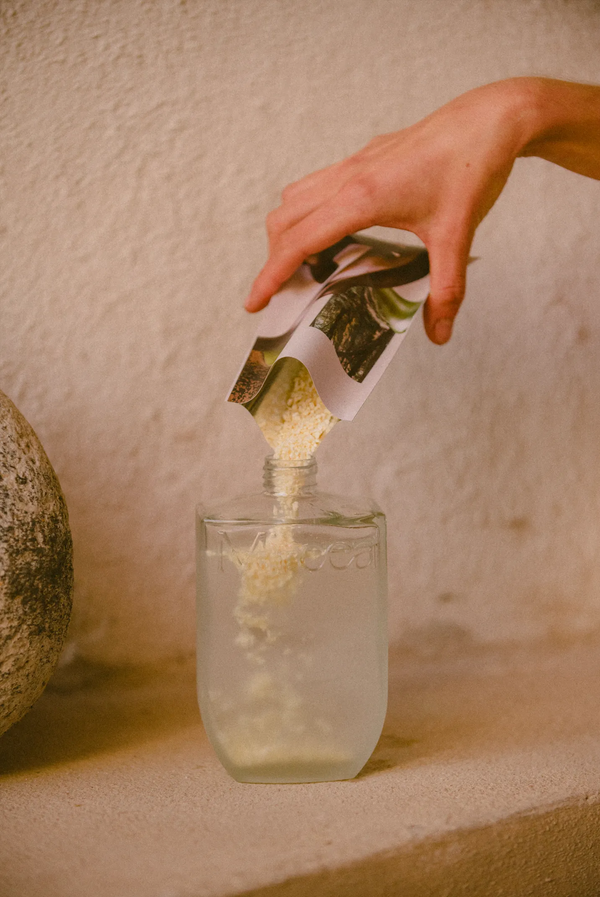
point(296, 769)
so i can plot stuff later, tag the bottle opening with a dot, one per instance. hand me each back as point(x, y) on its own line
point(285, 477)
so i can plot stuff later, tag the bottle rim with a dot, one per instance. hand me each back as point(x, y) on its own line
point(289, 477)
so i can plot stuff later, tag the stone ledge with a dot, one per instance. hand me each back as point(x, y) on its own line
point(485, 782)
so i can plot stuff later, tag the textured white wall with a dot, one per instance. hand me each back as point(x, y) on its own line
point(142, 144)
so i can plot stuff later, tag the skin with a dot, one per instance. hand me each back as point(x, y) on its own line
point(437, 178)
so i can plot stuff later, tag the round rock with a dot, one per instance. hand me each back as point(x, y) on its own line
point(36, 566)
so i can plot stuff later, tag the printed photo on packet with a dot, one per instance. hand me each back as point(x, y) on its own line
point(342, 315)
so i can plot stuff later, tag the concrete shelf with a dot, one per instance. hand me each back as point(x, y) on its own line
point(485, 782)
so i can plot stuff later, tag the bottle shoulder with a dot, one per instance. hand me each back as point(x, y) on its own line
point(321, 507)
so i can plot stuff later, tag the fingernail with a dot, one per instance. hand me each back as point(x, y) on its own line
point(443, 330)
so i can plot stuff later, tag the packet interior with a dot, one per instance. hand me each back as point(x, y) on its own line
point(341, 317)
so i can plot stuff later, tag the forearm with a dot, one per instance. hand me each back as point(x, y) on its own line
point(562, 123)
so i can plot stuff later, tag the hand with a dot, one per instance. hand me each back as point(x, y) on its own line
point(437, 178)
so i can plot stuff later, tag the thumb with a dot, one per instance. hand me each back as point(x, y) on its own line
point(448, 275)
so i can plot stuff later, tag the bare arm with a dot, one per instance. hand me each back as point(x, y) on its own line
point(438, 178)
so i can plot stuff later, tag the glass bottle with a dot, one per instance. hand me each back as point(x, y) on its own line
point(292, 629)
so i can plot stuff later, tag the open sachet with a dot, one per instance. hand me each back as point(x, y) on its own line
point(341, 317)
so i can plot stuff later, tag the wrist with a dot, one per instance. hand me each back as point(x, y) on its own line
point(526, 111)
point(563, 124)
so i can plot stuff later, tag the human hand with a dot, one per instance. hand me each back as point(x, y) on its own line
point(437, 178)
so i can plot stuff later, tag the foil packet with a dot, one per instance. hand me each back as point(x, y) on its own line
point(343, 315)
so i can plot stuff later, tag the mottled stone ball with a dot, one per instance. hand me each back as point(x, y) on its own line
point(36, 566)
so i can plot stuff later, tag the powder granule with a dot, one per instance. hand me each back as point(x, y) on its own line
point(269, 728)
point(293, 420)
point(269, 578)
point(292, 415)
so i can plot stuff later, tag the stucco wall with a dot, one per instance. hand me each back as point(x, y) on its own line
point(142, 143)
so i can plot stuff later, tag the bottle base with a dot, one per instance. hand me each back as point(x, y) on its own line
point(292, 775)
point(294, 772)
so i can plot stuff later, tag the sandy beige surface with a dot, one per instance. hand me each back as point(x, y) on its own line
point(486, 773)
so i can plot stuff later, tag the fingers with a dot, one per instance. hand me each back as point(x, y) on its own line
point(448, 260)
point(304, 197)
point(311, 181)
point(313, 215)
point(346, 211)
point(302, 203)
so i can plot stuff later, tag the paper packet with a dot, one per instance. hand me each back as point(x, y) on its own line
point(343, 315)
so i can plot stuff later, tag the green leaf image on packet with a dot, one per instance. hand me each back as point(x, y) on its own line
point(342, 316)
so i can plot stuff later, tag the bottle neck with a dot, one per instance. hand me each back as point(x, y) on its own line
point(290, 477)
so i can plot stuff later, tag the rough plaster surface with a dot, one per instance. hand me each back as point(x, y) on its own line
point(142, 144)
point(36, 566)
point(485, 782)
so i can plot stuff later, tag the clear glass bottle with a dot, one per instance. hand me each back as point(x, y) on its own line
point(292, 629)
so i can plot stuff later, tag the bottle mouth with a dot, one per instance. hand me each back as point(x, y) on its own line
point(290, 476)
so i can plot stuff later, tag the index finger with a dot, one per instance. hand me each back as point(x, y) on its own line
point(319, 229)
